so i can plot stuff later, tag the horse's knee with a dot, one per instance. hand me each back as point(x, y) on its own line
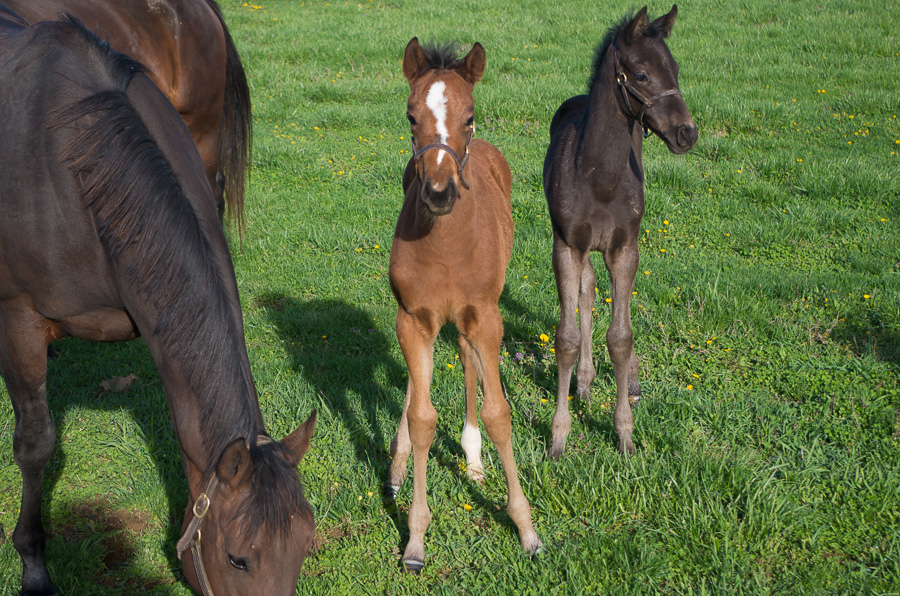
point(568, 341)
point(619, 342)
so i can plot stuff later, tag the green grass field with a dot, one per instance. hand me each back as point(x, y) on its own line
point(766, 320)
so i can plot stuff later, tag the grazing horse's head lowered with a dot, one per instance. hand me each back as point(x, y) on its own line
point(441, 114)
point(110, 232)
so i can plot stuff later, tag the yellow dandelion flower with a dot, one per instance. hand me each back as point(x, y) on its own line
point(467, 507)
point(544, 337)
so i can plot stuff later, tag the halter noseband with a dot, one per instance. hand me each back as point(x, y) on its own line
point(625, 87)
point(460, 162)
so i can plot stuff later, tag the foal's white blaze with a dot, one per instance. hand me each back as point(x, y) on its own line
point(471, 444)
point(437, 103)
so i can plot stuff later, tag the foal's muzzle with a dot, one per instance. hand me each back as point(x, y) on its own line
point(439, 202)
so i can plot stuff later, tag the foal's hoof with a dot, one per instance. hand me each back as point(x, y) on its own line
point(626, 447)
point(557, 449)
point(413, 567)
point(391, 491)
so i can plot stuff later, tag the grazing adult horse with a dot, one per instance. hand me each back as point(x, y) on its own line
point(451, 246)
point(594, 183)
point(188, 52)
point(108, 230)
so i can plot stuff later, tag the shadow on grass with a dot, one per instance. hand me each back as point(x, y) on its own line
point(75, 527)
point(339, 350)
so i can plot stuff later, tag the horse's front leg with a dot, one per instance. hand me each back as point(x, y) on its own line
point(622, 265)
point(568, 266)
point(23, 362)
point(416, 336)
point(485, 340)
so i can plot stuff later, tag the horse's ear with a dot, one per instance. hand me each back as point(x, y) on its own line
point(234, 466)
point(297, 442)
point(665, 23)
point(638, 25)
point(473, 64)
point(413, 60)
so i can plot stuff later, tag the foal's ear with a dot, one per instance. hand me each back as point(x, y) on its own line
point(297, 442)
point(664, 23)
point(638, 25)
point(413, 60)
point(234, 466)
point(473, 64)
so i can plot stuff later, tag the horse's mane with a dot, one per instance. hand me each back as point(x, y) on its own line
point(155, 242)
point(441, 56)
point(653, 31)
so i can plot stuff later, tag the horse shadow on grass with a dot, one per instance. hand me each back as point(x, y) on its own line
point(107, 538)
point(340, 351)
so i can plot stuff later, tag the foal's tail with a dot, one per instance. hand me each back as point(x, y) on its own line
point(235, 128)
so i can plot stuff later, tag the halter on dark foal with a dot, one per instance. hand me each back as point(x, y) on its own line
point(625, 87)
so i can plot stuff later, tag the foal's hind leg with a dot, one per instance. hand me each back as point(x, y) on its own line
point(471, 436)
point(568, 266)
point(622, 265)
point(23, 361)
point(495, 413)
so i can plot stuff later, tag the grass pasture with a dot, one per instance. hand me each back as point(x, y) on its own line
point(766, 320)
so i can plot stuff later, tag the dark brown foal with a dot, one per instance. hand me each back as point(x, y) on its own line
point(594, 183)
point(451, 247)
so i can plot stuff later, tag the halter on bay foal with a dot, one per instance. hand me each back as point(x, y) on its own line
point(594, 183)
point(451, 247)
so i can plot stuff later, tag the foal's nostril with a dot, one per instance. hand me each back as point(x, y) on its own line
point(687, 136)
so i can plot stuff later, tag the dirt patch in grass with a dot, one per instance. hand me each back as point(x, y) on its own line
point(118, 530)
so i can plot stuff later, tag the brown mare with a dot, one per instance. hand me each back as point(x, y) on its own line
point(594, 182)
point(109, 230)
point(452, 244)
point(188, 52)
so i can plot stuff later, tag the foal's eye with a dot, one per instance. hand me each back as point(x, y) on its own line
point(238, 563)
point(641, 77)
point(470, 121)
point(412, 121)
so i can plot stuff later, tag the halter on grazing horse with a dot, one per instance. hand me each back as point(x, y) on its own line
point(452, 244)
point(188, 52)
point(594, 183)
point(109, 230)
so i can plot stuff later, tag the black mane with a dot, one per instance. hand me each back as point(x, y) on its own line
point(652, 31)
point(152, 236)
point(441, 56)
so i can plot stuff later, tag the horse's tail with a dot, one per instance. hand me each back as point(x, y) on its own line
point(235, 128)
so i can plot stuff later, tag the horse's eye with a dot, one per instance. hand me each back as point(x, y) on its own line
point(470, 121)
point(412, 121)
point(238, 563)
point(641, 77)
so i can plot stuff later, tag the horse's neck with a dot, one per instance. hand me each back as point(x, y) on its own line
point(611, 143)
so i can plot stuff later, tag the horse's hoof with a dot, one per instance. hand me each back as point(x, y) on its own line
point(627, 447)
point(556, 450)
point(391, 491)
point(413, 567)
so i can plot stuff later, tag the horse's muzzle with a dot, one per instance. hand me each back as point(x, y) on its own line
point(685, 138)
point(439, 202)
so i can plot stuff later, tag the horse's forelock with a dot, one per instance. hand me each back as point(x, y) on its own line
point(276, 495)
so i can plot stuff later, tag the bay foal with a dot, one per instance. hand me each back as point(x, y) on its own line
point(594, 183)
point(451, 247)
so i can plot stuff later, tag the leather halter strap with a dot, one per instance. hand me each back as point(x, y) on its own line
point(625, 87)
point(192, 535)
point(460, 162)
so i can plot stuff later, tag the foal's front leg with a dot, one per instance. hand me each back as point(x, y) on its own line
point(23, 363)
point(568, 267)
point(417, 342)
point(622, 266)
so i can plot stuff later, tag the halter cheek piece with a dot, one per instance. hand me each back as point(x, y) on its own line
point(191, 537)
point(460, 162)
point(625, 87)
